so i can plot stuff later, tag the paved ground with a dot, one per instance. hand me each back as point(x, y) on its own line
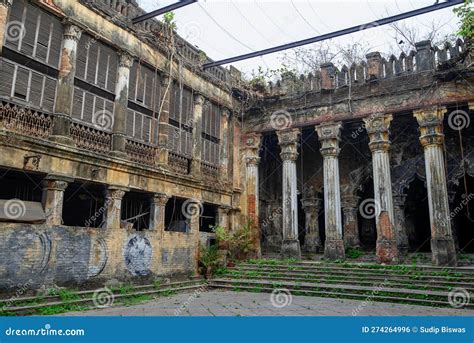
point(227, 303)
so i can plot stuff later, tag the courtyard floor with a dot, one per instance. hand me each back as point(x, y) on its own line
point(228, 303)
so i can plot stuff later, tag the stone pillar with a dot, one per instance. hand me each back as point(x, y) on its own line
point(400, 225)
point(5, 6)
point(65, 85)
point(329, 136)
point(118, 122)
point(163, 116)
point(197, 136)
point(157, 211)
point(350, 208)
point(432, 139)
point(223, 216)
point(378, 130)
point(113, 202)
point(53, 198)
point(288, 140)
point(251, 147)
point(224, 145)
point(312, 241)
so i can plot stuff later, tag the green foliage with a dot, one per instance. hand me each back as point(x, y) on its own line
point(209, 258)
point(168, 20)
point(465, 13)
point(67, 295)
point(354, 253)
point(239, 241)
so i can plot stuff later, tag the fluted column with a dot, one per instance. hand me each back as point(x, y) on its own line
point(113, 202)
point(5, 6)
point(350, 208)
point(400, 225)
point(432, 139)
point(118, 123)
point(250, 148)
point(312, 241)
point(53, 198)
point(65, 86)
point(329, 136)
point(378, 130)
point(157, 211)
point(197, 136)
point(288, 140)
point(224, 146)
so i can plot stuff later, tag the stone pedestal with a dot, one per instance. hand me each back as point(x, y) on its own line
point(197, 140)
point(329, 136)
point(113, 203)
point(378, 130)
point(351, 227)
point(65, 85)
point(288, 140)
point(400, 225)
point(432, 139)
point(157, 212)
point(53, 198)
point(117, 124)
point(312, 241)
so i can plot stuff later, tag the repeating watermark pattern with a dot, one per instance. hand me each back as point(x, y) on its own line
point(98, 214)
point(14, 209)
point(192, 208)
point(458, 297)
point(103, 297)
point(274, 215)
point(369, 300)
point(281, 297)
point(191, 298)
point(369, 208)
point(21, 290)
point(464, 202)
point(46, 331)
point(458, 120)
point(377, 112)
point(15, 31)
point(103, 120)
point(281, 120)
point(191, 30)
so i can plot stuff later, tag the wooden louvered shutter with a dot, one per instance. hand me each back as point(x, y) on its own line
point(88, 108)
point(21, 84)
point(36, 89)
point(132, 82)
point(16, 15)
point(49, 94)
point(77, 103)
point(92, 63)
point(82, 53)
point(6, 76)
point(129, 123)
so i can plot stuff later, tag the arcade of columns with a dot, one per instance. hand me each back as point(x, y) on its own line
point(391, 236)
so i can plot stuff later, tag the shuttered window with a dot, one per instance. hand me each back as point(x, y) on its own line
point(141, 127)
point(96, 63)
point(34, 33)
point(144, 87)
point(180, 138)
point(23, 84)
point(211, 117)
point(86, 106)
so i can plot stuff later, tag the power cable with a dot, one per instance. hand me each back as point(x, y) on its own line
point(302, 17)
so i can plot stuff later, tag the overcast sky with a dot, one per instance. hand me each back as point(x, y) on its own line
point(227, 28)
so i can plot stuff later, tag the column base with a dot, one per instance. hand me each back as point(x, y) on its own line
point(351, 242)
point(334, 249)
point(443, 252)
point(119, 154)
point(387, 252)
point(66, 140)
point(312, 243)
point(290, 248)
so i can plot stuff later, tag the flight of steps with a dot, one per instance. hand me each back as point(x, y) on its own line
point(82, 300)
point(422, 285)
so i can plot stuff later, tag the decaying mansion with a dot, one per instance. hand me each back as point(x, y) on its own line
point(119, 152)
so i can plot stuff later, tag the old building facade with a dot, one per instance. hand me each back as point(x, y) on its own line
point(119, 153)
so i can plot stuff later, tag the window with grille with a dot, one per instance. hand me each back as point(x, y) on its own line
point(211, 119)
point(180, 136)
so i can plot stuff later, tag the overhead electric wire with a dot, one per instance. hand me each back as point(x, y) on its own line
point(249, 22)
point(271, 21)
point(302, 17)
point(317, 15)
point(338, 33)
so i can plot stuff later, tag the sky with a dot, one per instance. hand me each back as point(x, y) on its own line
point(224, 28)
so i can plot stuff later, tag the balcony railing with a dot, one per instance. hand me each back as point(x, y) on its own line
point(140, 152)
point(91, 139)
point(209, 171)
point(25, 121)
point(179, 163)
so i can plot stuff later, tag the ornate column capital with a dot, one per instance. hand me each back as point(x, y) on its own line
point(349, 201)
point(164, 80)
point(399, 200)
point(288, 141)
point(251, 146)
point(224, 209)
point(431, 125)
point(115, 193)
point(226, 112)
point(72, 31)
point(6, 3)
point(125, 60)
point(378, 129)
point(471, 105)
point(160, 199)
point(329, 135)
point(199, 99)
point(56, 182)
point(311, 203)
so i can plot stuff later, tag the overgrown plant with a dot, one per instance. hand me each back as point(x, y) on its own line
point(465, 14)
point(239, 242)
point(209, 259)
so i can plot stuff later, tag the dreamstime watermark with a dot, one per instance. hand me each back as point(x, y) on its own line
point(458, 297)
point(274, 215)
point(458, 209)
point(377, 112)
point(281, 120)
point(281, 297)
point(369, 208)
point(191, 30)
point(103, 120)
point(103, 297)
point(192, 208)
point(190, 299)
point(458, 120)
point(98, 214)
point(369, 300)
point(20, 290)
point(14, 209)
point(15, 31)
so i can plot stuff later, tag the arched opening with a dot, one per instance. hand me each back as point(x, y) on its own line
point(417, 217)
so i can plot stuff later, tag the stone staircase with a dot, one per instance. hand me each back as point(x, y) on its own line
point(422, 285)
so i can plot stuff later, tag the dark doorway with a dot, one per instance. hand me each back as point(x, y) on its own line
point(367, 226)
point(208, 218)
point(462, 213)
point(174, 216)
point(136, 210)
point(417, 217)
point(83, 205)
